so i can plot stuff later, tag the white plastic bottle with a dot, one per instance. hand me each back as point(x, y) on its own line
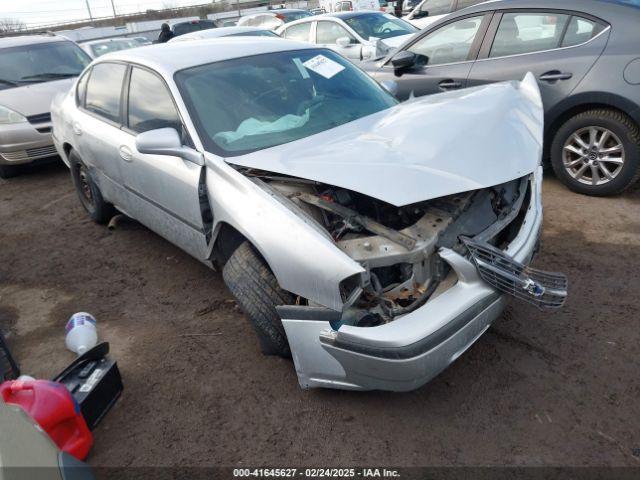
point(81, 332)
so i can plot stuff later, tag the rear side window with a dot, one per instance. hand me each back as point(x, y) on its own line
point(298, 32)
point(150, 103)
point(528, 32)
point(104, 89)
point(81, 89)
point(580, 30)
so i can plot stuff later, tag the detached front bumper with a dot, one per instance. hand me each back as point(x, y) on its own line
point(404, 354)
point(26, 142)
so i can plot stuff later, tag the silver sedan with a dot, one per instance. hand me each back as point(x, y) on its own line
point(367, 239)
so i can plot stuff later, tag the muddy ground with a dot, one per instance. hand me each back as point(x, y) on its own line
point(537, 389)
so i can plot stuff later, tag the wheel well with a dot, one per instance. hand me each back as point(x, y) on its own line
point(568, 114)
point(226, 242)
point(67, 149)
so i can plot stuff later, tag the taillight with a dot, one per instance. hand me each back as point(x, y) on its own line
point(280, 16)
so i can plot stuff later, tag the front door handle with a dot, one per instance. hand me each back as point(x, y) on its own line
point(77, 129)
point(555, 75)
point(125, 153)
point(449, 84)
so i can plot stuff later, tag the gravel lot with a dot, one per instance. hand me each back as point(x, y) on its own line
point(537, 389)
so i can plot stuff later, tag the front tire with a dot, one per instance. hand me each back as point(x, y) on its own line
point(8, 171)
point(257, 292)
point(88, 192)
point(597, 153)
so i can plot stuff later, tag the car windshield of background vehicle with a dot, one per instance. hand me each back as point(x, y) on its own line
point(43, 62)
point(184, 28)
point(291, 16)
point(379, 25)
point(99, 49)
point(449, 44)
point(252, 103)
point(528, 32)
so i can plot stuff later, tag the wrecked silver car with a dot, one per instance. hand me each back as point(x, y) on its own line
point(372, 241)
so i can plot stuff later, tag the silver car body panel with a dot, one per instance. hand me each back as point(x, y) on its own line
point(382, 155)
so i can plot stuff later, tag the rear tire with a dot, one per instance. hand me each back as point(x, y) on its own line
point(88, 192)
point(588, 165)
point(257, 292)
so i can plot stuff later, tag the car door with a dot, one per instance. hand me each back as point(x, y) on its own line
point(163, 191)
point(444, 57)
point(327, 34)
point(97, 127)
point(558, 47)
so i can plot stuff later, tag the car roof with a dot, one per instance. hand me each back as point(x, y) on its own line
point(168, 58)
point(30, 40)
point(599, 8)
point(216, 33)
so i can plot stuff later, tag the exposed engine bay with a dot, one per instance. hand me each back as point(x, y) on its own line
point(397, 245)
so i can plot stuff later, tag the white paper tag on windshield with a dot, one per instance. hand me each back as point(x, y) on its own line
point(323, 66)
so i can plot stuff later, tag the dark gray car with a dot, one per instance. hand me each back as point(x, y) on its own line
point(585, 55)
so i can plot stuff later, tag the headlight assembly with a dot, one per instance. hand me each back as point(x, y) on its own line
point(8, 116)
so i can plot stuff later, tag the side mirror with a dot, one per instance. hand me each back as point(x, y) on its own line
point(343, 41)
point(390, 86)
point(403, 59)
point(166, 141)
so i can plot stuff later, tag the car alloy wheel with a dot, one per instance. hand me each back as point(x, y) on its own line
point(593, 155)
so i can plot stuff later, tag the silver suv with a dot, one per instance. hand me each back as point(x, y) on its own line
point(33, 70)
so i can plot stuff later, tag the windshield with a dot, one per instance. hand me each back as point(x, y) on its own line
point(378, 25)
point(291, 16)
point(41, 62)
point(188, 27)
point(251, 103)
point(99, 49)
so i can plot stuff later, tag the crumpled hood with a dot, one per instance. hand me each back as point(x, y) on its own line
point(424, 148)
point(36, 98)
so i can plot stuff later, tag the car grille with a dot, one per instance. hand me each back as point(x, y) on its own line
point(30, 153)
point(546, 290)
point(42, 122)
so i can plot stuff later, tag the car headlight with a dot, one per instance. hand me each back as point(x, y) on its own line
point(8, 116)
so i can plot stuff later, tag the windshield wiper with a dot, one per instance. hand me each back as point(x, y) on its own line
point(9, 82)
point(49, 75)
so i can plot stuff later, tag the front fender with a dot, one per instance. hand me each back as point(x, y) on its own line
point(305, 261)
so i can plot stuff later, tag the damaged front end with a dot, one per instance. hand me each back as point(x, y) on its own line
point(422, 263)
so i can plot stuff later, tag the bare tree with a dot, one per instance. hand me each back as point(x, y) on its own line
point(11, 25)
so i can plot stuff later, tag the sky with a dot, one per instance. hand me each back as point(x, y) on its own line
point(38, 12)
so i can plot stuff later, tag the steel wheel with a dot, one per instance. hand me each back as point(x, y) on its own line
point(85, 185)
point(593, 155)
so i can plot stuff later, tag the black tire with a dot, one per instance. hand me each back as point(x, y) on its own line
point(623, 128)
point(8, 368)
point(257, 292)
point(8, 171)
point(88, 192)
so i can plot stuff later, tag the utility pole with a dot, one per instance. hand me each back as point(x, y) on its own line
point(113, 6)
point(238, 3)
point(89, 10)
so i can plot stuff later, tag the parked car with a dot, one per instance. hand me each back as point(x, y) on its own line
point(356, 35)
point(272, 19)
point(347, 224)
point(428, 11)
point(33, 69)
point(182, 28)
point(350, 5)
point(408, 6)
point(97, 48)
point(583, 53)
point(226, 32)
point(141, 41)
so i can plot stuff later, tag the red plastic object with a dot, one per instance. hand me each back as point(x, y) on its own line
point(51, 405)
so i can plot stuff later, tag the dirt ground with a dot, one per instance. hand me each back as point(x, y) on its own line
point(538, 389)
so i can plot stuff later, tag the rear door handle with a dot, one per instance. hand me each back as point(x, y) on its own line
point(125, 153)
point(555, 75)
point(449, 84)
point(77, 129)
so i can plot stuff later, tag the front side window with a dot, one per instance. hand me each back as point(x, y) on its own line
point(104, 89)
point(277, 99)
point(298, 32)
point(379, 25)
point(150, 103)
point(327, 33)
point(41, 62)
point(436, 7)
point(528, 32)
point(449, 44)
